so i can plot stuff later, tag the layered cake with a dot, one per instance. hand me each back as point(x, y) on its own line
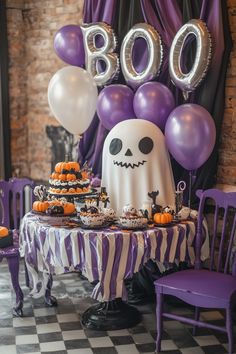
point(131, 218)
point(68, 178)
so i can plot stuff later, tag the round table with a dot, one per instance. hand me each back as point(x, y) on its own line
point(57, 245)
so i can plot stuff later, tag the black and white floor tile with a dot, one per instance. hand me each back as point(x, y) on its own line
point(59, 330)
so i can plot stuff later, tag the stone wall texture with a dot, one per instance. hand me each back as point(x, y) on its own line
point(32, 25)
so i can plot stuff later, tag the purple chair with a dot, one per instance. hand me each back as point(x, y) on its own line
point(14, 195)
point(211, 287)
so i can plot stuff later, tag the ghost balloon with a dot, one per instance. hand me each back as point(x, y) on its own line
point(135, 162)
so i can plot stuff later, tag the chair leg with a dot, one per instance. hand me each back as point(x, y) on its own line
point(196, 317)
point(229, 327)
point(159, 298)
point(13, 265)
point(27, 280)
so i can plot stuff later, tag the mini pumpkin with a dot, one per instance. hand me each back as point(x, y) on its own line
point(163, 218)
point(3, 231)
point(62, 177)
point(70, 177)
point(84, 174)
point(69, 208)
point(58, 167)
point(40, 206)
point(72, 190)
point(54, 175)
point(74, 166)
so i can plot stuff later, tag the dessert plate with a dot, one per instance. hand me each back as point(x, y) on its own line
point(40, 213)
point(169, 224)
point(122, 227)
point(91, 227)
point(76, 195)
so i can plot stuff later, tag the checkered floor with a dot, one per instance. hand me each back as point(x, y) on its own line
point(59, 330)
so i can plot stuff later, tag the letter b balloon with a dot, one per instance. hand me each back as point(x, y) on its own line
point(190, 135)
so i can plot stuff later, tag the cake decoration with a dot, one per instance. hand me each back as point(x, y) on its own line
point(51, 205)
point(155, 207)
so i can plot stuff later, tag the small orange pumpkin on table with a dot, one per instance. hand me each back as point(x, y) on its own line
point(6, 237)
point(41, 204)
point(69, 208)
point(3, 231)
point(163, 218)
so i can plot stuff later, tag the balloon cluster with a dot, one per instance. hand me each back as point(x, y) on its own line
point(73, 96)
point(72, 91)
point(152, 101)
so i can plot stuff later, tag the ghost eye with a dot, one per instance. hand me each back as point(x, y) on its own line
point(115, 146)
point(145, 145)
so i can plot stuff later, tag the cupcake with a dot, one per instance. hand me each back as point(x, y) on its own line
point(131, 218)
point(92, 216)
point(109, 213)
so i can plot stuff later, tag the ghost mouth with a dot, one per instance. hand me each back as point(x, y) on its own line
point(127, 165)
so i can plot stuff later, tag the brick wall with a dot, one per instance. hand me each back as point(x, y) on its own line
point(227, 158)
point(32, 25)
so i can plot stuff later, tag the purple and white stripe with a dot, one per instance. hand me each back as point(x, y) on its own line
point(107, 256)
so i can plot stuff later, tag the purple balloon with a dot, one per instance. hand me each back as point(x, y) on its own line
point(115, 104)
point(69, 46)
point(153, 101)
point(190, 135)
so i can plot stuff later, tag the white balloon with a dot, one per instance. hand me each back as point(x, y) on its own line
point(72, 97)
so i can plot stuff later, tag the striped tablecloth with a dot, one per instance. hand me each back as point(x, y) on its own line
point(106, 255)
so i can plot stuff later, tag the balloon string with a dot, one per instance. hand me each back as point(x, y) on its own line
point(190, 189)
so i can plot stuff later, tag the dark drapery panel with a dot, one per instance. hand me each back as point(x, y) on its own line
point(167, 17)
point(121, 15)
point(91, 144)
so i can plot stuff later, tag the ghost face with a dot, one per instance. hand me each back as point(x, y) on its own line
point(124, 157)
point(135, 162)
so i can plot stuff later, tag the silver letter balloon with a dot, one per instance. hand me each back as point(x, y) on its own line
point(155, 54)
point(99, 45)
point(187, 82)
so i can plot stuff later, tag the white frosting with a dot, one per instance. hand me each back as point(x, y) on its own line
point(58, 183)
